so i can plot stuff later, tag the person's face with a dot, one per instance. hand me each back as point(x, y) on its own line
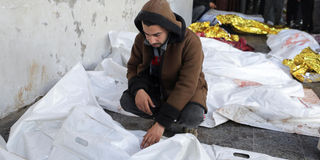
point(155, 34)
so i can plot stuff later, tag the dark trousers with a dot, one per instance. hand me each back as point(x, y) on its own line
point(307, 14)
point(272, 11)
point(190, 117)
point(228, 5)
point(292, 10)
point(253, 6)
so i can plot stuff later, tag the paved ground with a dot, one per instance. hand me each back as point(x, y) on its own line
point(230, 134)
point(233, 135)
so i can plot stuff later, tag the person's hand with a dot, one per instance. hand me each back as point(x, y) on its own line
point(143, 101)
point(212, 5)
point(153, 135)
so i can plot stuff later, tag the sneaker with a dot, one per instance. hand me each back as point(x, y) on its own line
point(193, 131)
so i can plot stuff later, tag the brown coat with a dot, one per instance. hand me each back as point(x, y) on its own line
point(181, 64)
point(181, 69)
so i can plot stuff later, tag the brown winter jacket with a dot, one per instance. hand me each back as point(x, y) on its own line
point(181, 73)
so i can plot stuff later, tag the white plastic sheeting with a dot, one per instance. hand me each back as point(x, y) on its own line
point(2, 142)
point(288, 43)
point(187, 147)
point(4, 154)
point(89, 132)
point(245, 87)
point(224, 153)
point(109, 80)
point(179, 147)
point(212, 13)
point(33, 134)
point(69, 124)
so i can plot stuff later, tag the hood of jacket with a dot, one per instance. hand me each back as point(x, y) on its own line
point(159, 12)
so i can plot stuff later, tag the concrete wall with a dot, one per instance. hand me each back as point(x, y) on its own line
point(183, 8)
point(40, 40)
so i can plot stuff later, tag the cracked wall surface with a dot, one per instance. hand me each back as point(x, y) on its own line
point(41, 40)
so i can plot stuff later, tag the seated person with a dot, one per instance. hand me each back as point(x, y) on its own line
point(165, 78)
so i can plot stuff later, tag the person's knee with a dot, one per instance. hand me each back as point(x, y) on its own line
point(192, 115)
point(126, 101)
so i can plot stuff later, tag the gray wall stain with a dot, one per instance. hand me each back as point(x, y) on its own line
point(83, 48)
point(93, 20)
point(72, 14)
point(66, 69)
point(57, 59)
point(18, 29)
point(60, 73)
point(124, 14)
point(57, 15)
point(23, 91)
point(65, 29)
point(106, 19)
point(102, 2)
point(128, 14)
point(45, 23)
point(70, 2)
point(130, 2)
point(78, 30)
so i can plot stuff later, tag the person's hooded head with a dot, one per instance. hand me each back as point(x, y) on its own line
point(157, 22)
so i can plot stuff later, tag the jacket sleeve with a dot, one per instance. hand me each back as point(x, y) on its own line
point(136, 81)
point(186, 84)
